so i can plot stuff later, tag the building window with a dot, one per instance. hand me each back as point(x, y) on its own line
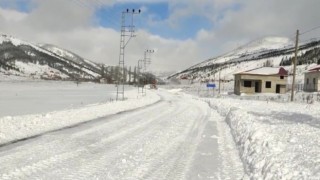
point(281, 77)
point(314, 80)
point(307, 80)
point(247, 83)
point(268, 84)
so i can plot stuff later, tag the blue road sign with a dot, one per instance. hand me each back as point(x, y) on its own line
point(211, 85)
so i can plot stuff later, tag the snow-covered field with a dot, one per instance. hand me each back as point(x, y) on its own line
point(32, 108)
point(31, 97)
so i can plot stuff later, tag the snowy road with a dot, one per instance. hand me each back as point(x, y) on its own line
point(176, 138)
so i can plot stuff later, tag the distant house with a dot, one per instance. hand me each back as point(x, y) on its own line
point(312, 79)
point(184, 80)
point(261, 80)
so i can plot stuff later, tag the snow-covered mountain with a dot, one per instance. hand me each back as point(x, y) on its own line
point(268, 51)
point(25, 59)
point(70, 56)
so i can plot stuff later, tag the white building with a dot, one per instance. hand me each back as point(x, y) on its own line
point(312, 79)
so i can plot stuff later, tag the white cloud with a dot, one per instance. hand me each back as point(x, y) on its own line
point(171, 54)
point(12, 15)
point(71, 25)
point(267, 18)
point(211, 9)
point(234, 25)
point(58, 15)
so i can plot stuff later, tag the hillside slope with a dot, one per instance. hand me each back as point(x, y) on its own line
point(21, 58)
point(269, 51)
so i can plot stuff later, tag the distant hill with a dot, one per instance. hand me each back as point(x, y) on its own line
point(21, 58)
point(269, 51)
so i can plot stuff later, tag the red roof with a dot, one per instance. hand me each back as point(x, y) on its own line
point(266, 71)
point(314, 68)
point(282, 72)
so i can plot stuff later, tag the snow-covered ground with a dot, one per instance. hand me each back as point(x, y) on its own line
point(32, 97)
point(276, 139)
point(167, 134)
point(179, 137)
point(44, 98)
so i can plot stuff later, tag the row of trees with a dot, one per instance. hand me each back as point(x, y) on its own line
point(110, 74)
point(308, 57)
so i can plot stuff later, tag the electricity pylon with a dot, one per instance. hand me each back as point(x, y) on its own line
point(142, 68)
point(140, 75)
point(147, 57)
point(127, 33)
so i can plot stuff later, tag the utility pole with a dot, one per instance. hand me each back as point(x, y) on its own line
point(294, 66)
point(220, 80)
point(130, 73)
point(140, 84)
point(142, 65)
point(127, 32)
point(147, 59)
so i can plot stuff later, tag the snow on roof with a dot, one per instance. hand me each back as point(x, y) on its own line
point(262, 71)
point(314, 68)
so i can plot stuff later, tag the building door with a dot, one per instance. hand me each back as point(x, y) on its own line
point(257, 87)
point(278, 88)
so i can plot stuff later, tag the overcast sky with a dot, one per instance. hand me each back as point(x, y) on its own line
point(183, 32)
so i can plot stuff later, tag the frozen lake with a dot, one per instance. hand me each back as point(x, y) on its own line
point(19, 97)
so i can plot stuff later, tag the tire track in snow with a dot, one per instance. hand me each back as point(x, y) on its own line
point(113, 136)
point(157, 142)
point(74, 125)
point(176, 161)
point(17, 156)
point(148, 139)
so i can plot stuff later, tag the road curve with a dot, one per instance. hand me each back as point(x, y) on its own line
point(162, 141)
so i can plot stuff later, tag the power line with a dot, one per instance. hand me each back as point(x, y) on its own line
point(312, 29)
point(305, 40)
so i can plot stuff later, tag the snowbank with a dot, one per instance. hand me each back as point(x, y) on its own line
point(275, 140)
point(175, 91)
point(20, 127)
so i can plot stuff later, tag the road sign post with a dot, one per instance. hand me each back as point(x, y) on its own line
point(211, 85)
